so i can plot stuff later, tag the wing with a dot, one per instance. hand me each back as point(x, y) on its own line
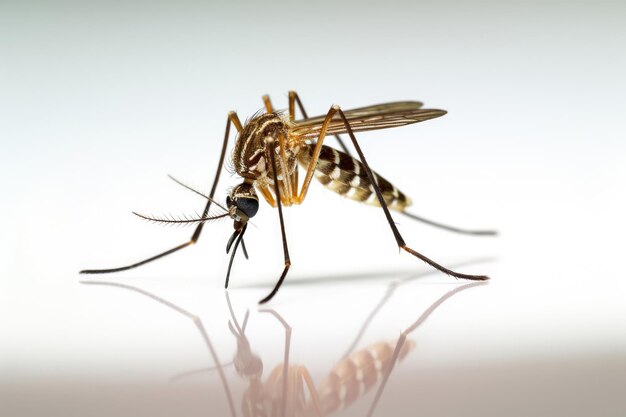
point(378, 116)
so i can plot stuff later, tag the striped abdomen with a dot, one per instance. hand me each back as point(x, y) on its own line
point(346, 176)
point(356, 374)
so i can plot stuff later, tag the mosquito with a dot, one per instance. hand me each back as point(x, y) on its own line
point(268, 152)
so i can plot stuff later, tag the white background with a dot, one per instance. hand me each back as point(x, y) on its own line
point(99, 102)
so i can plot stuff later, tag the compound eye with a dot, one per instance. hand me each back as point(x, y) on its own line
point(249, 206)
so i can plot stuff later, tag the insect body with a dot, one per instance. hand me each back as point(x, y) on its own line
point(289, 389)
point(348, 381)
point(269, 152)
point(346, 176)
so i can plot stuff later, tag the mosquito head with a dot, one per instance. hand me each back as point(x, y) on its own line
point(247, 363)
point(242, 204)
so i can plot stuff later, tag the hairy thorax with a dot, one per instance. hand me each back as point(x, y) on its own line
point(251, 156)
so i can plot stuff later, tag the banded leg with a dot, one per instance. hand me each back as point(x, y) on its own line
point(271, 143)
point(232, 118)
point(383, 204)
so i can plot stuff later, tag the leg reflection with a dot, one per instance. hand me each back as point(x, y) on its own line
point(196, 321)
point(289, 389)
point(397, 353)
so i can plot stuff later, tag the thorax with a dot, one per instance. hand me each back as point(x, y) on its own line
point(251, 155)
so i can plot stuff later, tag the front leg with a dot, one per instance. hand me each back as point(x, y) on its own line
point(232, 118)
point(271, 144)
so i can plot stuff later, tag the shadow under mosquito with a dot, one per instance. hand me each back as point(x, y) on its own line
point(284, 374)
point(409, 275)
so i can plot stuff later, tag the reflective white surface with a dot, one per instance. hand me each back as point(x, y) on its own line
point(99, 102)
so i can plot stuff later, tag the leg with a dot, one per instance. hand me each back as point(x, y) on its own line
point(271, 143)
point(268, 104)
point(316, 154)
point(285, 365)
point(290, 185)
point(450, 228)
point(381, 200)
point(232, 118)
point(397, 352)
point(293, 99)
point(288, 195)
point(294, 186)
point(303, 374)
point(267, 194)
point(196, 321)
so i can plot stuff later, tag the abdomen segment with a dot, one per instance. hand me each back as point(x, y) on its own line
point(347, 176)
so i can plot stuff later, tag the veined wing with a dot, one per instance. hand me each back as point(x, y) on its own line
point(378, 116)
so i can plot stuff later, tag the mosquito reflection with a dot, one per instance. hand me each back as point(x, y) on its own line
point(289, 389)
point(354, 374)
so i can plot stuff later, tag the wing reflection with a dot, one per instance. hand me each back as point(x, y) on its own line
point(289, 389)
